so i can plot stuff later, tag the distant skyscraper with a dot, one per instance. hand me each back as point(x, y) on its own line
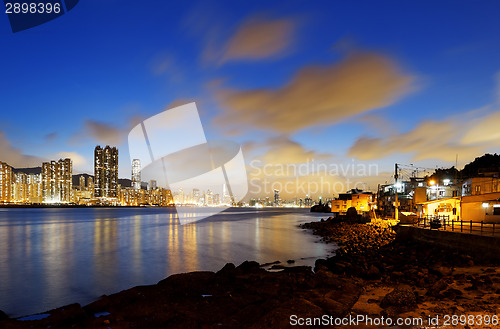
point(152, 185)
point(106, 172)
point(66, 179)
point(90, 186)
point(136, 174)
point(276, 197)
point(82, 183)
point(209, 198)
point(216, 199)
point(226, 198)
point(57, 181)
point(308, 202)
point(5, 182)
point(196, 196)
point(181, 196)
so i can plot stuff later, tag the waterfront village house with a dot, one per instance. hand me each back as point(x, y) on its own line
point(358, 199)
point(481, 199)
point(448, 207)
point(409, 194)
point(440, 200)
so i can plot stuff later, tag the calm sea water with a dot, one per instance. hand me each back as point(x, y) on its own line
point(51, 257)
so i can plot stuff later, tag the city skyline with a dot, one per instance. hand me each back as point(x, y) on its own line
point(54, 185)
point(329, 82)
point(55, 180)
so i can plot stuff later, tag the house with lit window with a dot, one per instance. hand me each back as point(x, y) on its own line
point(360, 200)
point(481, 199)
point(447, 207)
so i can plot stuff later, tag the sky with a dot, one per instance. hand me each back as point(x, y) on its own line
point(344, 89)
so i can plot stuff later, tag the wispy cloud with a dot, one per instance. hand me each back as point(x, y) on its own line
point(256, 37)
point(50, 137)
point(468, 134)
point(282, 150)
point(483, 130)
point(15, 157)
point(259, 38)
point(102, 132)
point(317, 95)
point(441, 140)
point(78, 160)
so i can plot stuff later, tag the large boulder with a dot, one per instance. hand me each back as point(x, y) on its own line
point(352, 215)
point(437, 287)
point(402, 298)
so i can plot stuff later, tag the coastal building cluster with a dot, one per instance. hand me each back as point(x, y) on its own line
point(474, 198)
point(305, 202)
point(52, 183)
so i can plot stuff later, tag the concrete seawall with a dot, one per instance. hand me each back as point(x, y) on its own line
point(484, 247)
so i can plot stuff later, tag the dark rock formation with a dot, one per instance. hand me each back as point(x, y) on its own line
point(3, 316)
point(245, 296)
point(402, 298)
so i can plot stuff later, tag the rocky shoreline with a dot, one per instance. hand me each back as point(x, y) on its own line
point(374, 274)
point(407, 279)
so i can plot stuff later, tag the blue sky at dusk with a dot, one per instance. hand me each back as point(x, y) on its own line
point(374, 81)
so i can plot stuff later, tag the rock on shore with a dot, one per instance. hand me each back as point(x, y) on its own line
point(407, 278)
point(353, 238)
point(235, 297)
point(372, 274)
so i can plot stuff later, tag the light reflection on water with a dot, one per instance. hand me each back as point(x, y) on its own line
point(51, 257)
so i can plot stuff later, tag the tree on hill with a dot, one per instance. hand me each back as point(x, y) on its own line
point(441, 174)
point(487, 161)
point(480, 165)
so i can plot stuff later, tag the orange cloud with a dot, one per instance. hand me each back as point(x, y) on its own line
point(103, 132)
point(296, 171)
point(483, 130)
point(441, 140)
point(259, 38)
point(468, 134)
point(15, 157)
point(317, 95)
point(281, 150)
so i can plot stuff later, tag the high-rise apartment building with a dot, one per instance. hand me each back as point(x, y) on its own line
point(90, 186)
point(5, 182)
point(106, 172)
point(57, 181)
point(66, 179)
point(81, 182)
point(20, 187)
point(136, 174)
point(35, 189)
